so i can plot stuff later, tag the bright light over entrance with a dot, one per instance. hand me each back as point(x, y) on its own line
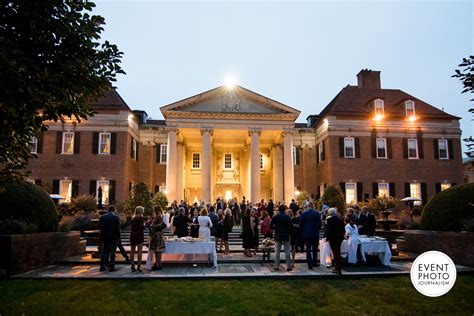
point(228, 195)
point(230, 81)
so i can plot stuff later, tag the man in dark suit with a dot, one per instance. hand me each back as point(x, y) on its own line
point(294, 207)
point(282, 225)
point(370, 222)
point(215, 221)
point(109, 225)
point(180, 223)
point(335, 235)
point(309, 226)
point(270, 208)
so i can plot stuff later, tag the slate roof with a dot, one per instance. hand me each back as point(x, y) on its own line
point(110, 100)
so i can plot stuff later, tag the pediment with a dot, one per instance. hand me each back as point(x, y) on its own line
point(235, 102)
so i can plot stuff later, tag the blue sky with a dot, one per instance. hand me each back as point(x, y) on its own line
point(299, 53)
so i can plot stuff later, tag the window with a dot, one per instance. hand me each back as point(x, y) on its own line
point(410, 108)
point(104, 143)
point(321, 151)
point(415, 190)
point(261, 162)
point(445, 186)
point(134, 149)
point(321, 189)
point(351, 193)
point(381, 148)
point(349, 147)
point(65, 190)
point(412, 149)
point(378, 107)
point(163, 153)
point(227, 161)
point(196, 161)
point(33, 145)
point(294, 155)
point(104, 186)
point(443, 149)
point(68, 143)
point(384, 189)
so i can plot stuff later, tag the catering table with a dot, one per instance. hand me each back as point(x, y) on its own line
point(325, 252)
point(184, 247)
point(367, 245)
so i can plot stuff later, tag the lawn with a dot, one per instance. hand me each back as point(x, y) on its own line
point(388, 296)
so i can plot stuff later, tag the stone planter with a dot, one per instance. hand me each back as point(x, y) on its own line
point(22, 253)
point(456, 245)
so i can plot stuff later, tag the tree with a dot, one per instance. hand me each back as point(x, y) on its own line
point(52, 66)
point(466, 75)
point(161, 200)
point(139, 196)
point(333, 197)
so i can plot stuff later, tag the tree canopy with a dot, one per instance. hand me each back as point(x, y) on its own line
point(53, 63)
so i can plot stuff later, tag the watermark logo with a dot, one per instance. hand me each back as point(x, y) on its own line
point(433, 273)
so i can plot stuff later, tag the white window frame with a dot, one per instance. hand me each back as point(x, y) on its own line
point(199, 161)
point(349, 186)
point(384, 140)
point(163, 153)
point(109, 143)
point(134, 148)
point(63, 149)
point(379, 107)
point(346, 147)
point(262, 166)
point(33, 143)
point(445, 186)
point(384, 187)
point(410, 108)
point(226, 155)
point(105, 191)
point(445, 142)
point(162, 188)
point(414, 141)
point(321, 152)
point(66, 195)
point(294, 155)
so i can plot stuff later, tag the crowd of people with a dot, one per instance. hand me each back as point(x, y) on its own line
point(296, 228)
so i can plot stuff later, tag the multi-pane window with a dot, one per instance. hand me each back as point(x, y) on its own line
point(163, 153)
point(321, 189)
point(349, 151)
point(104, 143)
point(381, 144)
point(415, 190)
point(65, 190)
point(321, 151)
point(412, 149)
point(227, 161)
point(445, 186)
point(384, 189)
point(68, 143)
point(261, 162)
point(33, 145)
point(351, 192)
point(103, 185)
point(443, 149)
point(196, 161)
point(134, 149)
point(410, 108)
point(294, 154)
point(162, 188)
point(378, 106)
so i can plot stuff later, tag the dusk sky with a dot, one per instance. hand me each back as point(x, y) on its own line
point(299, 53)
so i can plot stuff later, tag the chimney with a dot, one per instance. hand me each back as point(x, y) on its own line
point(367, 78)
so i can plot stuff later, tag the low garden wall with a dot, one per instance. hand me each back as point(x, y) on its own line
point(22, 253)
point(459, 246)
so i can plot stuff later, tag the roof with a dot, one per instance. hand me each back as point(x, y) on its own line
point(156, 122)
point(301, 125)
point(110, 100)
point(352, 100)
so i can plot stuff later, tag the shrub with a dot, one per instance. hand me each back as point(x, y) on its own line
point(161, 200)
point(81, 222)
point(446, 210)
point(468, 224)
point(302, 197)
point(139, 196)
point(382, 203)
point(65, 209)
point(15, 226)
point(413, 226)
point(333, 197)
point(29, 203)
point(84, 203)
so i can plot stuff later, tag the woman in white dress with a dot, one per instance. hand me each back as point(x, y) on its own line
point(353, 234)
point(205, 225)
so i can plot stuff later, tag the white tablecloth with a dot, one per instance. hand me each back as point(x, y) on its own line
point(175, 247)
point(376, 246)
point(166, 219)
point(325, 252)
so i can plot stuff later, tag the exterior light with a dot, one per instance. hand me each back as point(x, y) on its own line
point(412, 118)
point(230, 82)
point(297, 193)
point(378, 118)
point(165, 192)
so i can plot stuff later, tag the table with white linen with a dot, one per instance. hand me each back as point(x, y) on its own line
point(166, 219)
point(184, 247)
point(381, 247)
point(325, 252)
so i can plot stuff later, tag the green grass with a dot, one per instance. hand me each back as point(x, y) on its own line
point(387, 296)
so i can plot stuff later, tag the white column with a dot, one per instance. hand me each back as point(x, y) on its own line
point(171, 165)
point(206, 157)
point(277, 173)
point(180, 172)
point(288, 172)
point(255, 165)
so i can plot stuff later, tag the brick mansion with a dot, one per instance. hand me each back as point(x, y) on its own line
point(233, 142)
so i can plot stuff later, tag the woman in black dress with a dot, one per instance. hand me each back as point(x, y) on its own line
point(247, 233)
point(227, 229)
point(255, 221)
point(293, 236)
point(136, 237)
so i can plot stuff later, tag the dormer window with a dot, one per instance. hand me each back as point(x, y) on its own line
point(410, 108)
point(378, 106)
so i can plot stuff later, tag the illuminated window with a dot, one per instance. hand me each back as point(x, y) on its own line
point(349, 151)
point(104, 186)
point(33, 145)
point(321, 189)
point(381, 148)
point(443, 149)
point(68, 143)
point(65, 190)
point(227, 161)
point(410, 108)
point(164, 148)
point(445, 186)
point(321, 151)
point(104, 143)
point(294, 155)
point(412, 149)
point(196, 161)
point(261, 162)
point(415, 190)
point(384, 189)
point(378, 106)
point(351, 193)
point(134, 149)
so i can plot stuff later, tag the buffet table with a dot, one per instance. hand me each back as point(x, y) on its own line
point(325, 252)
point(367, 246)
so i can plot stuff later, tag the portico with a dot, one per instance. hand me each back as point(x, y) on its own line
point(229, 142)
